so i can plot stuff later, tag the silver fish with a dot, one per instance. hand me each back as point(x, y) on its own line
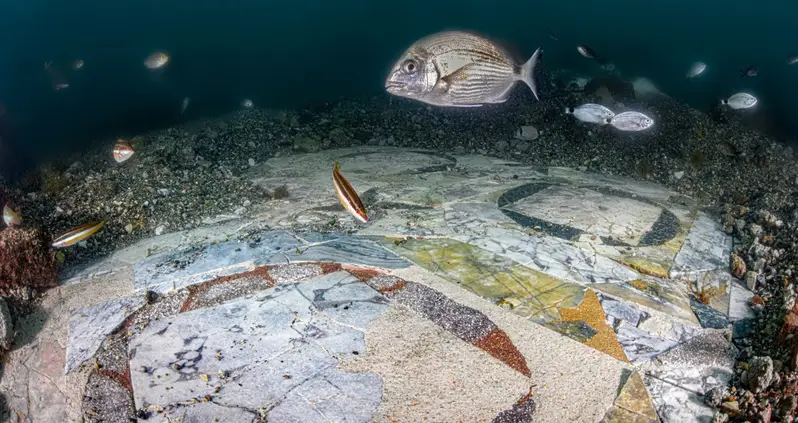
point(11, 217)
point(591, 113)
point(697, 69)
point(246, 103)
point(459, 69)
point(631, 121)
point(184, 106)
point(740, 101)
point(792, 60)
point(156, 60)
point(588, 52)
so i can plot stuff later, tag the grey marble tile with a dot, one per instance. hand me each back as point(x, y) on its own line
point(618, 310)
point(706, 248)
point(203, 412)
point(174, 270)
point(263, 350)
point(88, 327)
point(641, 346)
point(349, 250)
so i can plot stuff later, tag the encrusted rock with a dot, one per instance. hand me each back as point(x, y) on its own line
point(755, 230)
point(715, 396)
point(737, 266)
point(26, 261)
point(731, 408)
point(759, 375)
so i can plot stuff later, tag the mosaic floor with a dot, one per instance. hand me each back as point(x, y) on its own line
point(480, 290)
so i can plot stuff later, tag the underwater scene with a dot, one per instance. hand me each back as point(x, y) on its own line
point(473, 211)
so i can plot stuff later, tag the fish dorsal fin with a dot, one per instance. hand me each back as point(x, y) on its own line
point(458, 75)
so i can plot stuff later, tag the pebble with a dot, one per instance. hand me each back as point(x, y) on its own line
point(251, 162)
point(501, 145)
point(755, 230)
point(750, 280)
point(129, 228)
point(678, 175)
point(159, 230)
point(163, 191)
point(522, 146)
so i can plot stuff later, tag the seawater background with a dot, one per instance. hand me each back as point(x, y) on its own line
point(302, 52)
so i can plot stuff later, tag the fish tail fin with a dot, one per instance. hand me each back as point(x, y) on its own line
point(528, 72)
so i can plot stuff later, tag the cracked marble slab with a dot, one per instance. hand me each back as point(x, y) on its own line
point(706, 248)
point(677, 405)
point(174, 270)
point(552, 256)
point(263, 351)
point(88, 327)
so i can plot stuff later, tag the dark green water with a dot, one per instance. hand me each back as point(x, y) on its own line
point(290, 54)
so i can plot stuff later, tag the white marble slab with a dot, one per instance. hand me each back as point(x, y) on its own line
point(88, 328)
point(595, 213)
point(706, 248)
point(675, 404)
point(739, 300)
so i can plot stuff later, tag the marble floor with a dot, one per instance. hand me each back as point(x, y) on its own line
point(479, 290)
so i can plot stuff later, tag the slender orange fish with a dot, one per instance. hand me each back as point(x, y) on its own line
point(10, 217)
point(78, 233)
point(348, 196)
point(123, 151)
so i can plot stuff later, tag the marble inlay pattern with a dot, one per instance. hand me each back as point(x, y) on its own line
point(254, 353)
point(174, 270)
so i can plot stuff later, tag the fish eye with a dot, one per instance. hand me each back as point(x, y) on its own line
point(410, 66)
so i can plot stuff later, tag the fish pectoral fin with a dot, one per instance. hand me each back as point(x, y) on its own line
point(458, 75)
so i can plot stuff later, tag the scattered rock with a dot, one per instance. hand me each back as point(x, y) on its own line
point(678, 175)
point(307, 145)
point(760, 374)
point(750, 280)
point(732, 408)
point(501, 145)
point(738, 267)
point(714, 397)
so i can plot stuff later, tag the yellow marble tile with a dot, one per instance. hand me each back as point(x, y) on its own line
point(591, 312)
point(619, 415)
point(525, 291)
point(635, 398)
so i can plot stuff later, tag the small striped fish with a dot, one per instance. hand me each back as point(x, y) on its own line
point(123, 151)
point(79, 233)
point(10, 217)
point(348, 196)
point(459, 69)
